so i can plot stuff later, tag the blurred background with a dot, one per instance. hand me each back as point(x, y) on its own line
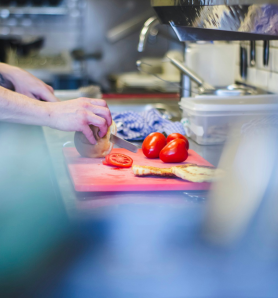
point(71, 43)
point(57, 242)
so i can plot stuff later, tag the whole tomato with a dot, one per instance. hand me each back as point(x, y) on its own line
point(177, 135)
point(175, 151)
point(153, 144)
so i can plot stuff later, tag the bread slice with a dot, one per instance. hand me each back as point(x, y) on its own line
point(189, 172)
point(146, 171)
point(195, 173)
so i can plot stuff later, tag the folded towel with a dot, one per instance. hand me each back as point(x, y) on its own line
point(134, 126)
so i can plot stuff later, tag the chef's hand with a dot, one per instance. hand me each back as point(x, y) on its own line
point(25, 83)
point(78, 114)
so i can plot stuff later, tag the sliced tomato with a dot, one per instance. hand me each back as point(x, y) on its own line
point(118, 160)
point(104, 163)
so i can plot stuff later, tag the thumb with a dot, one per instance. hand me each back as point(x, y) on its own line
point(89, 134)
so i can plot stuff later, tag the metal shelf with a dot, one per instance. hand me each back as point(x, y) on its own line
point(34, 10)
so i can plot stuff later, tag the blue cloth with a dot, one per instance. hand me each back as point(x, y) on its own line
point(134, 126)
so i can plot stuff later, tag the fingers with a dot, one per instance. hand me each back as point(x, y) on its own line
point(47, 95)
point(96, 101)
point(49, 88)
point(29, 95)
point(99, 122)
point(89, 134)
point(102, 112)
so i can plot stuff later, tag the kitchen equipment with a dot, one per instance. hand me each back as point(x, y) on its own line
point(89, 174)
point(220, 19)
point(22, 45)
point(207, 89)
point(252, 53)
point(147, 29)
point(193, 76)
point(123, 143)
point(266, 53)
point(208, 120)
point(243, 62)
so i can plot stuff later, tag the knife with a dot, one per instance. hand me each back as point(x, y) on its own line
point(123, 143)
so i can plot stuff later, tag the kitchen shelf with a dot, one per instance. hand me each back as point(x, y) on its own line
point(34, 10)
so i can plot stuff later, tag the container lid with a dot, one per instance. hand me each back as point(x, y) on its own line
point(231, 104)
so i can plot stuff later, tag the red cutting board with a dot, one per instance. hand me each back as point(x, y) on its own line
point(89, 174)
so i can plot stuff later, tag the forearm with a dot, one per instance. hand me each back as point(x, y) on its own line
point(18, 108)
point(72, 115)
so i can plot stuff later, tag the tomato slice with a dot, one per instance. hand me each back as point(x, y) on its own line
point(118, 160)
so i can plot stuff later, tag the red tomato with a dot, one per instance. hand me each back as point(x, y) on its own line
point(175, 151)
point(153, 144)
point(177, 135)
point(118, 160)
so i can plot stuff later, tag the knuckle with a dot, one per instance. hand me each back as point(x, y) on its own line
point(103, 102)
point(100, 102)
point(85, 104)
point(82, 115)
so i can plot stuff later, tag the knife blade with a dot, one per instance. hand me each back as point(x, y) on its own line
point(123, 143)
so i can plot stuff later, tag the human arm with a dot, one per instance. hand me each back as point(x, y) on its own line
point(71, 115)
point(25, 83)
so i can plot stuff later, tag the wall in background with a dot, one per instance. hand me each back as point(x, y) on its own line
point(260, 75)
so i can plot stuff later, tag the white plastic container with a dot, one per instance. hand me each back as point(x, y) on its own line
point(208, 120)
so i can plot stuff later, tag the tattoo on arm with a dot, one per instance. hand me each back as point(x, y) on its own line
point(5, 83)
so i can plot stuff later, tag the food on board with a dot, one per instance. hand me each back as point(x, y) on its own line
point(177, 135)
point(153, 144)
point(189, 172)
point(118, 160)
point(175, 151)
point(101, 148)
point(146, 171)
point(197, 173)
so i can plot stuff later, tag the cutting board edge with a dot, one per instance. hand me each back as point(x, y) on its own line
point(136, 187)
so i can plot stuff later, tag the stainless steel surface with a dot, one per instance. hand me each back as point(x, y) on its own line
point(185, 83)
point(123, 143)
point(219, 19)
point(117, 33)
point(147, 28)
point(186, 90)
point(193, 76)
point(209, 2)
